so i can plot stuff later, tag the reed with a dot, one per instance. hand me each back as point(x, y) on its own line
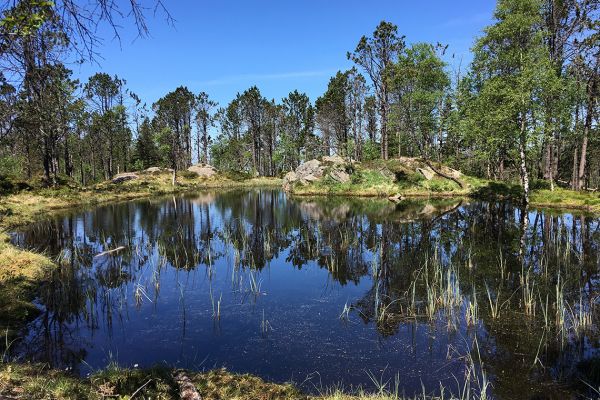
point(265, 325)
point(581, 318)
point(561, 309)
point(255, 283)
point(139, 293)
point(528, 289)
point(345, 315)
point(494, 302)
point(472, 310)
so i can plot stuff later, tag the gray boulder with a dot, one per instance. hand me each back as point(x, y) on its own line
point(426, 172)
point(309, 171)
point(127, 176)
point(311, 167)
point(314, 170)
point(334, 159)
point(339, 175)
point(203, 170)
point(153, 170)
point(288, 180)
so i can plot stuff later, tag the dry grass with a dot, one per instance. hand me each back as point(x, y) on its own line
point(17, 264)
point(20, 274)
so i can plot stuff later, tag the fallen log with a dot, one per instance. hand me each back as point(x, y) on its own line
point(443, 175)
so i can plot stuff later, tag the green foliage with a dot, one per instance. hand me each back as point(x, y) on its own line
point(498, 190)
point(174, 121)
point(525, 106)
point(11, 165)
point(418, 85)
point(26, 18)
point(147, 153)
point(371, 150)
point(511, 74)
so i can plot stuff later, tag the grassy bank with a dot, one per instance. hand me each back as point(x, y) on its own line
point(395, 177)
point(23, 207)
point(21, 272)
point(37, 382)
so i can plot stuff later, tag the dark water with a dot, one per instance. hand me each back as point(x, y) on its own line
point(325, 292)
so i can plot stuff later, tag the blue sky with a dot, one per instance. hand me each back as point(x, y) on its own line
point(224, 47)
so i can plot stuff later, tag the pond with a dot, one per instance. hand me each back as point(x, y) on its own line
point(324, 292)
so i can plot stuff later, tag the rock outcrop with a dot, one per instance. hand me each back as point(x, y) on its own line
point(157, 170)
point(203, 170)
point(339, 175)
point(427, 172)
point(334, 167)
point(127, 176)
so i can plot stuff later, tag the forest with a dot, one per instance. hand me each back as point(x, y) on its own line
point(526, 109)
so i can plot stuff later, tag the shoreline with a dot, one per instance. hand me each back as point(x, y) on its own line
point(472, 195)
point(22, 208)
point(37, 381)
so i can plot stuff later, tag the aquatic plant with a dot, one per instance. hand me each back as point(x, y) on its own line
point(494, 303)
point(346, 312)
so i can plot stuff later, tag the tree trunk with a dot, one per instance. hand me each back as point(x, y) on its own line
point(523, 160)
point(549, 162)
point(574, 175)
point(582, 160)
point(584, 144)
point(443, 175)
point(198, 145)
point(384, 134)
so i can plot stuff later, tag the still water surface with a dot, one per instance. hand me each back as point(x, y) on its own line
point(324, 292)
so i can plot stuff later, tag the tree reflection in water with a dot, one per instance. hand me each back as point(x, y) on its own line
point(425, 275)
